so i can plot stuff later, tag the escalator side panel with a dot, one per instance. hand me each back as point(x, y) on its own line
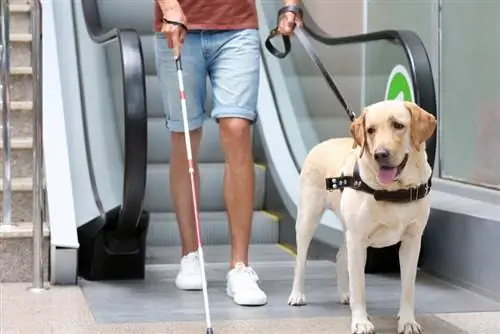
point(114, 107)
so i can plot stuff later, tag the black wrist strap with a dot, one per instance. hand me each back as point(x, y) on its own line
point(286, 39)
point(175, 23)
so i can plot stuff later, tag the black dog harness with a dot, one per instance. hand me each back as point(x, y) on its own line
point(397, 196)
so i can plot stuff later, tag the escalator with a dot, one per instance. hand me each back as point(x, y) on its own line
point(129, 248)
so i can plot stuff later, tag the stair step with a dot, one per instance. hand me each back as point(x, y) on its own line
point(21, 83)
point(20, 18)
point(20, 119)
point(270, 254)
point(160, 149)
point(22, 199)
point(20, 184)
point(21, 157)
point(20, 230)
point(19, 143)
point(20, 37)
point(20, 52)
point(19, 8)
point(21, 70)
point(16, 257)
point(20, 105)
point(163, 230)
point(158, 199)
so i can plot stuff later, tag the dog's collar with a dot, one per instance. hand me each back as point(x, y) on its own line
point(397, 196)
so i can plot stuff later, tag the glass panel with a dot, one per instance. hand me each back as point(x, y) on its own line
point(101, 90)
point(315, 114)
point(116, 78)
point(470, 117)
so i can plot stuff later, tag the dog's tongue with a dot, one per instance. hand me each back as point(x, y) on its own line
point(387, 175)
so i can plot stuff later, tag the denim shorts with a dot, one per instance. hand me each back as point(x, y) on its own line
point(230, 59)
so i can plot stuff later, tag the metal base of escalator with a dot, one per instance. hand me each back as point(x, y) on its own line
point(156, 299)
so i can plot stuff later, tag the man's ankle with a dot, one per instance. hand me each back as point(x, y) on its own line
point(233, 263)
point(186, 251)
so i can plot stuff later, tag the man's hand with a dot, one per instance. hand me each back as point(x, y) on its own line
point(288, 21)
point(175, 33)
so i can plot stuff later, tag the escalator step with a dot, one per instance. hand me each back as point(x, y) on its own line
point(163, 229)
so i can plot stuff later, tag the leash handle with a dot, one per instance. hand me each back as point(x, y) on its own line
point(311, 52)
point(286, 39)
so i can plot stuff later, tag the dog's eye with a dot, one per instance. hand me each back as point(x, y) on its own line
point(397, 126)
point(370, 131)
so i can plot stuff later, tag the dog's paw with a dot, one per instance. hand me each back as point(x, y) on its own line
point(362, 326)
point(408, 327)
point(297, 299)
point(344, 298)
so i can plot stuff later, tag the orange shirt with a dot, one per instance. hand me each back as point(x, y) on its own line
point(214, 14)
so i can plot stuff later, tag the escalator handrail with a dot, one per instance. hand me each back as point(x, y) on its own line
point(135, 115)
point(416, 54)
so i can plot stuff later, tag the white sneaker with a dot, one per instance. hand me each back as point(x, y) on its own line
point(189, 275)
point(243, 287)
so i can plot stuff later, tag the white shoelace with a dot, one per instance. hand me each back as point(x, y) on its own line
point(246, 277)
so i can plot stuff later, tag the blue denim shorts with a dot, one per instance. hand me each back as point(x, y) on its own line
point(230, 59)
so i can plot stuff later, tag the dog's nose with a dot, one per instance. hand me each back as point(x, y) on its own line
point(381, 155)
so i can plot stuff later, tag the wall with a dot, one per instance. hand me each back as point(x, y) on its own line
point(461, 239)
point(470, 116)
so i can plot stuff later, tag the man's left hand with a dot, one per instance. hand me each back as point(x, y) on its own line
point(287, 23)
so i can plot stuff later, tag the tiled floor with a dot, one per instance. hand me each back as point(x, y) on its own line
point(154, 306)
point(64, 310)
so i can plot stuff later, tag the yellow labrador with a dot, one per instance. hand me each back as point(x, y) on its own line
point(390, 155)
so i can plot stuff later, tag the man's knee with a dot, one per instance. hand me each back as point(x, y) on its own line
point(234, 131)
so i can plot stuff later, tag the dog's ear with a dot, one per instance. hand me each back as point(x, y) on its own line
point(423, 125)
point(358, 132)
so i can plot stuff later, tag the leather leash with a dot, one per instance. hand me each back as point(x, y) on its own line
point(301, 36)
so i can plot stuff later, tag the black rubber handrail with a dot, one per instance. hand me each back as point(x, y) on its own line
point(135, 115)
point(416, 54)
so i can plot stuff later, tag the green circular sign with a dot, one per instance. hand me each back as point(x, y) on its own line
point(399, 86)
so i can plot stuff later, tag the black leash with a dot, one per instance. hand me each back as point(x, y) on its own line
point(301, 36)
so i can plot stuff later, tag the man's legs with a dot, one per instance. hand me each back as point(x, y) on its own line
point(234, 64)
point(194, 71)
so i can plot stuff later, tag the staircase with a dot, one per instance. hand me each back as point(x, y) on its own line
point(15, 240)
point(163, 230)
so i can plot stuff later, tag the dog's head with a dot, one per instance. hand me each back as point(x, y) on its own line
point(388, 132)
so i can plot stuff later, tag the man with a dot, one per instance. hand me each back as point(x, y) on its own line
point(222, 42)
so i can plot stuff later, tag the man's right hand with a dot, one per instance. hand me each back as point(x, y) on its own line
point(173, 32)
